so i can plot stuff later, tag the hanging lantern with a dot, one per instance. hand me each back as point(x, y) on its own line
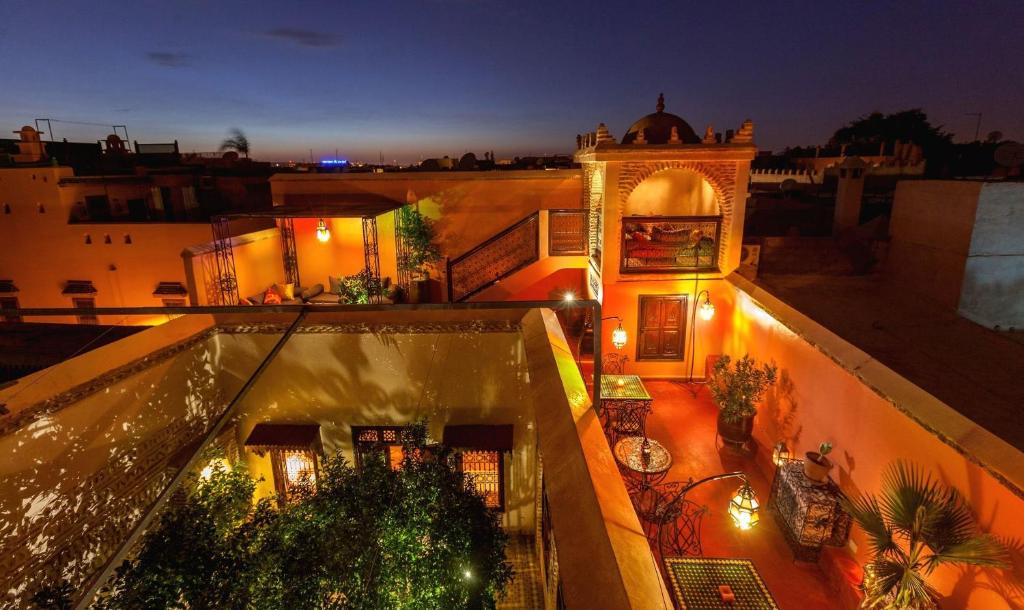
point(743, 508)
point(781, 453)
point(322, 232)
point(707, 308)
point(619, 337)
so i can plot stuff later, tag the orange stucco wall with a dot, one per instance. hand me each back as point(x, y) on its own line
point(468, 207)
point(42, 251)
point(818, 399)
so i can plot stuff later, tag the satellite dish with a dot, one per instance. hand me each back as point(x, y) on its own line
point(1010, 154)
point(788, 185)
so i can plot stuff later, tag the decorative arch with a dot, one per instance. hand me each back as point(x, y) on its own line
point(721, 175)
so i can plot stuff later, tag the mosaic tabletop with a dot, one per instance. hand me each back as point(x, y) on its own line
point(629, 452)
point(623, 387)
point(695, 582)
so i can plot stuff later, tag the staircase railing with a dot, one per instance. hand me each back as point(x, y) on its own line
point(495, 259)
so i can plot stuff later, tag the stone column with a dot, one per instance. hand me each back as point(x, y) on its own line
point(849, 193)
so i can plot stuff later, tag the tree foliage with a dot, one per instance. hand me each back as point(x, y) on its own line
point(417, 232)
point(418, 537)
point(907, 125)
point(738, 388)
point(237, 142)
point(913, 526)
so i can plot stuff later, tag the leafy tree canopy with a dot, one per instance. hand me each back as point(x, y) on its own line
point(907, 125)
point(418, 538)
point(237, 142)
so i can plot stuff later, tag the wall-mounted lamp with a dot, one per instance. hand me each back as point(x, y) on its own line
point(322, 232)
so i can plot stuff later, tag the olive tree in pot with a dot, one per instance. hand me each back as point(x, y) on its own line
point(736, 389)
point(421, 252)
point(914, 525)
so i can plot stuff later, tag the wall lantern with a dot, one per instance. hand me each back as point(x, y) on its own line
point(743, 508)
point(781, 453)
point(707, 308)
point(322, 232)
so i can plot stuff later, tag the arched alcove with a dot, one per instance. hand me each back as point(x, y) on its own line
point(673, 192)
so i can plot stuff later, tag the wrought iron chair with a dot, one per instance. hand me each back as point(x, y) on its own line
point(628, 418)
point(679, 527)
point(614, 364)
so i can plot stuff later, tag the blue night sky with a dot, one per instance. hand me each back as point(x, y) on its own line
point(420, 79)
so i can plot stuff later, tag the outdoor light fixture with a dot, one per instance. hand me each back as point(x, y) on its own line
point(619, 335)
point(569, 296)
point(743, 508)
point(322, 232)
point(707, 308)
point(781, 453)
point(683, 538)
point(207, 472)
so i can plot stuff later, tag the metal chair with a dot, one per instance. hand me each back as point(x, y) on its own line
point(614, 364)
point(678, 525)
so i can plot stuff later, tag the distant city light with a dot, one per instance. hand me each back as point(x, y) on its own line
point(333, 161)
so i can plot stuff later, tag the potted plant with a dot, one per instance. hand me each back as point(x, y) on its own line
point(736, 389)
point(913, 526)
point(417, 234)
point(817, 465)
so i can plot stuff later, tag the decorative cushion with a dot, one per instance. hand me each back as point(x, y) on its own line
point(312, 291)
point(244, 301)
point(336, 283)
point(256, 299)
point(271, 298)
point(285, 291)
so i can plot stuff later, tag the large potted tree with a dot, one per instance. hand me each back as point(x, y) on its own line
point(737, 389)
point(420, 250)
point(913, 526)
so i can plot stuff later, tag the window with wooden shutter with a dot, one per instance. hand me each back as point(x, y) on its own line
point(661, 332)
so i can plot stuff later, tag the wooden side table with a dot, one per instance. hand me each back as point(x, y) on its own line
point(809, 513)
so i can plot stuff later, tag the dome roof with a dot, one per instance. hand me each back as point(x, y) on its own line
point(658, 126)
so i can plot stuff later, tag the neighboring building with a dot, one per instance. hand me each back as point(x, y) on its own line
point(959, 243)
point(111, 239)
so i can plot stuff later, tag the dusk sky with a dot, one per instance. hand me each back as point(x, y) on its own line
point(436, 77)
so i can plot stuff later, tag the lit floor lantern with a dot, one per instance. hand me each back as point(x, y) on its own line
point(707, 308)
point(780, 453)
point(743, 508)
point(322, 232)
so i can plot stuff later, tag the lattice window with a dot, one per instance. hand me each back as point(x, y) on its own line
point(292, 468)
point(484, 469)
point(382, 440)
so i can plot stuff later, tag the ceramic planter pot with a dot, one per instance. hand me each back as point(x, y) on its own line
point(736, 432)
point(817, 467)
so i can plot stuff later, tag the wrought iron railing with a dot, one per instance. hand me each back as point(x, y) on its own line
point(495, 259)
point(567, 232)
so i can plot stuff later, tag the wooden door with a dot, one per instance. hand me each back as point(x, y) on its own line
point(662, 327)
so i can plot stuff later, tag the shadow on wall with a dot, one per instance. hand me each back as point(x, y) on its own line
point(77, 480)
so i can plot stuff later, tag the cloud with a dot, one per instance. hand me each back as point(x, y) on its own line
point(168, 60)
point(305, 38)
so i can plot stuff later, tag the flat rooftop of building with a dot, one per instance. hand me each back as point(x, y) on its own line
point(975, 370)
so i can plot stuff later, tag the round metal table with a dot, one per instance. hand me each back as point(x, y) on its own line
point(629, 451)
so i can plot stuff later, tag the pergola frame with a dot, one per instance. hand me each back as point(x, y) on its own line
point(366, 207)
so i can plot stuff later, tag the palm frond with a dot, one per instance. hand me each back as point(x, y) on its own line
point(867, 513)
point(905, 491)
point(978, 550)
